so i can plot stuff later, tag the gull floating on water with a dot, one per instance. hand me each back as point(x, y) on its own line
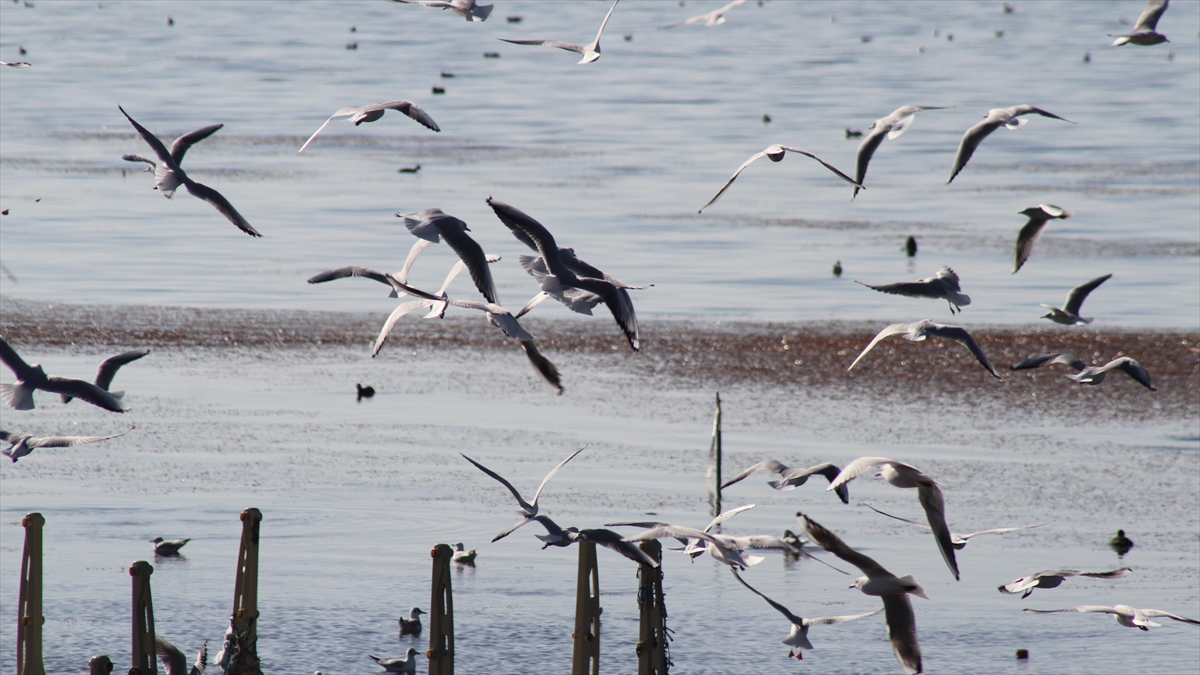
point(372, 112)
point(20, 445)
point(799, 635)
point(713, 18)
point(528, 509)
point(890, 127)
point(1145, 33)
point(1038, 217)
point(411, 625)
point(590, 52)
point(1125, 615)
point(919, 330)
point(166, 548)
point(993, 120)
point(563, 537)
point(1054, 578)
point(1069, 314)
point(19, 394)
point(406, 665)
point(944, 286)
point(108, 370)
point(561, 277)
point(174, 661)
point(929, 494)
point(462, 556)
point(775, 153)
point(1090, 374)
point(169, 174)
point(959, 541)
point(902, 625)
point(791, 479)
point(467, 9)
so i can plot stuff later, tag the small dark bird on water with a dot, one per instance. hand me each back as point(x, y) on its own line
point(514, 19)
point(353, 29)
point(446, 74)
point(766, 119)
point(629, 37)
point(365, 392)
point(1120, 543)
point(1087, 57)
point(491, 55)
point(352, 46)
point(170, 21)
point(439, 90)
point(837, 268)
point(910, 247)
point(853, 133)
point(410, 169)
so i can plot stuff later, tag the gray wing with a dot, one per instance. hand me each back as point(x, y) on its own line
point(85, 391)
point(530, 231)
point(108, 368)
point(1026, 238)
point(69, 441)
point(201, 660)
point(1131, 368)
point(1026, 109)
point(550, 475)
point(353, 271)
point(830, 542)
point(1081, 608)
point(825, 164)
point(961, 335)
point(1112, 574)
point(1150, 15)
point(14, 361)
point(613, 541)
point(156, 145)
point(769, 465)
point(726, 516)
point(401, 310)
point(472, 254)
point(902, 629)
point(894, 329)
point(605, 22)
point(970, 141)
point(778, 607)
point(906, 520)
point(618, 302)
point(181, 145)
point(408, 108)
point(1078, 294)
point(925, 288)
point(171, 657)
point(826, 620)
point(1167, 615)
point(1002, 530)
point(221, 204)
point(520, 500)
point(931, 500)
point(732, 178)
point(866, 150)
point(1043, 359)
point(857, 468)
point(831, 472)
point(546, 43)
point(543, 366)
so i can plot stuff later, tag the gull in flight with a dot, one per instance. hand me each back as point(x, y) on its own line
point(108, 370)
point(19, 395)
point(528, 509)
point(1054, 579)
point(557, 536)
point(561, 277)
point(20, 445)
point(775, 153)
point(589, 52)
point(1145, 33)
point(467, 9)
point(928, 493)
point(790, 479)
point(1090, 374)
point(993, 120)
point(15, 64)
point(713, 18)
point(168, 547)
point(1124, 614)
point(720, 551)
point(432, 225)
point(173, 660)
point(1038, 217)
point(919, 330)
point(411, 625)
point(799, 635)
point(372, 112)
point(902, 626)
point(406, 665)
point(944, 286)
point(885, 127)
point(169, 174)
point(959, 541)
point(1069, 314)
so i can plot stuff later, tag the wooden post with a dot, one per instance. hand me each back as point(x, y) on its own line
point(652, 634)
point(100, 664)
point(441, 614)
point(29, 603)
point(242, 642)
point(586, 657)
point(714, 453)
point(145, 660)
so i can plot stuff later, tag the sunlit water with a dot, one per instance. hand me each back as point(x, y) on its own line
point(615, 158)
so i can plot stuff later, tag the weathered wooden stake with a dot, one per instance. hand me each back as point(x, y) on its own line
point(441, 614)
point(244, 652)
point(652, 634)
point(586, 657)
point(29, 603)
point(145, 661)
point(714, 453)
point(100, 664)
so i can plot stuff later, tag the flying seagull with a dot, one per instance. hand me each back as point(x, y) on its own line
point(944, 286)
point(20, 445)
point(15, 64)
point(372, 112)
point(1038, 217)
point(406, 665)
point(528, 509)
point(713, 18)
point(791, 479)
point(959, 541)
point(467, 9)
point(919, 330)
point(169, 174)
point(563, 537)
point(19, 395)
point(1145, 33)
point(993, 120)
point(902, 626)
point(799, 635)
point(433, 225)
point(1054, 578)
point(720, 551)
point(1069, 314)
point(1124, 614)
point(173, 660)
point(775, 153)
point(885, 127)
point(929, 494)
point(108, 370)
point(1090, 374)
point(589, 52)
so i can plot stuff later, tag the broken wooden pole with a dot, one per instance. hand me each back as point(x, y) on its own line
point(241, 642)
point(652, 633)
point(145, 660)
point(441, 614)
point(29, 603)
point(585, 659)
point(714, 455)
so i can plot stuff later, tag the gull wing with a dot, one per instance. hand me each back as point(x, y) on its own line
point(970, 141)
point(341, 113)
point(894, 329)
point(1131, 368)
point(675, 532)
point(857, 468)
point(530, 231)
point(1002, 530)
point(596, 42)
point(542, 365)
point(14, 361)
point(930, 496)
point(108, 368)
point(924, 288)
point(1026, 238)
point(221, 204)
point(1112, 574)
point(1167, 615)
point(613, 541)
point(472, 254)
point(906, 520)
point(866, 150)
point(768, 465)
point(959, 334)
point(830, 542)
point(830, 472)
point(401, 310)
point(417, 249)
point(737, 173)
point(525, 506)
point(902, 630)
point(1081, 608)
point(828, 620)
point(618, 302)
point(1026, 109)
point(825, 164)
point(408, 108)
point(352, 271)
point(1078, 294)
point(156, 145)
point(546, 43)
point(70, 441)
point(85, 391)
point(1148, 21)
point(171, 657)
point(726, 516)
point(181, 145)
point(1043, 359)
point(796, 620)
point(533, 302)
point(550, 475)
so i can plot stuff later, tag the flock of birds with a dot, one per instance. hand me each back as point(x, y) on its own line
point(561, 275)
